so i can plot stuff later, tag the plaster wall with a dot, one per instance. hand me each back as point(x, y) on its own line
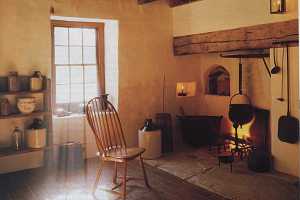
point(286, 156)
point(216, 15)
point(145, 52)
point(256, 83)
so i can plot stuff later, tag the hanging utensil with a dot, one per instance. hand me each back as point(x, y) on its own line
point(282, 64)
point(288, 126)
point(163, 92)
point(240, 113)
point(276, 68)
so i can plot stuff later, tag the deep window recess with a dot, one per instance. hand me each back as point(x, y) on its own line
point(218, 82)
point(78, 71)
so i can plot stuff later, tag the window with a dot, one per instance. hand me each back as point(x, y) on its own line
point(78, 73)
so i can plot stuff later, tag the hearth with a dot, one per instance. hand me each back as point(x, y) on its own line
point(251, 136)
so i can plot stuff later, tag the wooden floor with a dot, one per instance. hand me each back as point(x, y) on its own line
point(76, 184)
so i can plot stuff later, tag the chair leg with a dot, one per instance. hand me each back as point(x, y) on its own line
point(115, 173)
point(98, 177)
point(124, 180)
point(144, 172)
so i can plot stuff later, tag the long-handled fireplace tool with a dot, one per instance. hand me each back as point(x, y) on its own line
point(288, 126)
point(164, 122)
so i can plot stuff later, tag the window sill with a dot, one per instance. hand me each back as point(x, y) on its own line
point(69, 116)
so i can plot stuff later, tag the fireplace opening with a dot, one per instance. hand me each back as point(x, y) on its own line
point(253, 135)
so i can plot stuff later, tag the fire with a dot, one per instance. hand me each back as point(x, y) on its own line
point(243, 132)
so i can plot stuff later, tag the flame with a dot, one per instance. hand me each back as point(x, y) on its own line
point(243, 132)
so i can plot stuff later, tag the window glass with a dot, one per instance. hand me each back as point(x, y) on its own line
point(62, 75)
point(62, 93)
point(75, 36)
point(75, 55)
point(89, 37)
point(61, 55)
point(61, 36)
point(76, 74)
point(89, 55)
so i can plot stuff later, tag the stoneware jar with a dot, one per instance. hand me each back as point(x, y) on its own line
point(13, 82)
point(36, 138)
point(36, 134)
point(4, 107)
point(36, 81)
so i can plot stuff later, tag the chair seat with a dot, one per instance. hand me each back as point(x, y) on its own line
point(130, 153)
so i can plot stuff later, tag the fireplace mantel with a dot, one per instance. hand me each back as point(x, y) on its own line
point(262, 36)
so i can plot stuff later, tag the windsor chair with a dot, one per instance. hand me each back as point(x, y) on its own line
point(106, 126)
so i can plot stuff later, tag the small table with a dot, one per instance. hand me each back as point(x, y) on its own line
point(226, 158)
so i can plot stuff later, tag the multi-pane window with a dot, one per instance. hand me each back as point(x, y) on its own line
point(76, 68)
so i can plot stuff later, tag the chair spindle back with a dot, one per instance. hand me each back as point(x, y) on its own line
point(106, 126)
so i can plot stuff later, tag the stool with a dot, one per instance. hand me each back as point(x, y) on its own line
point(226, 158)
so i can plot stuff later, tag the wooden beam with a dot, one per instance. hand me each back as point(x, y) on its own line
point(144, 1)
point(252, 37)
point(174, 3)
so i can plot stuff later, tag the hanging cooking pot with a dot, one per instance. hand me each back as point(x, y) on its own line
point(240, 113)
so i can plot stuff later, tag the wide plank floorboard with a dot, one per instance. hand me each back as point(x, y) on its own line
point(75, 184)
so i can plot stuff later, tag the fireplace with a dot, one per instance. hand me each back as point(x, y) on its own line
point(255, 134)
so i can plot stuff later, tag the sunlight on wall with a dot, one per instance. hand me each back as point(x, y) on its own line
point(111, 36)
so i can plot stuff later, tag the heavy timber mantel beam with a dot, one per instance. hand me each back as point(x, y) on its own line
point(172, 3)
point(144, 1)
point(252, 37)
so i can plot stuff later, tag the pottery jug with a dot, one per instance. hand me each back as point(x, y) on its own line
point(36, 81)
point(4, 107)
point(13, 82)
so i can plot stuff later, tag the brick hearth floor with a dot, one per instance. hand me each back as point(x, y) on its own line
point(200, 168)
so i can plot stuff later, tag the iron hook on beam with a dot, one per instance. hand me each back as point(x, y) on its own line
point(266, 66)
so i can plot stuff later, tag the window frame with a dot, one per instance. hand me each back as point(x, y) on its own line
point(99, 52)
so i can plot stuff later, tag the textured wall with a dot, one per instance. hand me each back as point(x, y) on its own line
point(286, 156)
point(145, 50)
point(256, 83)
point(215, 15)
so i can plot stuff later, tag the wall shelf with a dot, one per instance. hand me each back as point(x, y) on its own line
point(19, 115)
point(43, 110)
point(8, 151)
point(22, 92)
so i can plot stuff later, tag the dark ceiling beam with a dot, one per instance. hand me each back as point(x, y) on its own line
point(262, 36)
point(144, 1)
point(174, 3)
